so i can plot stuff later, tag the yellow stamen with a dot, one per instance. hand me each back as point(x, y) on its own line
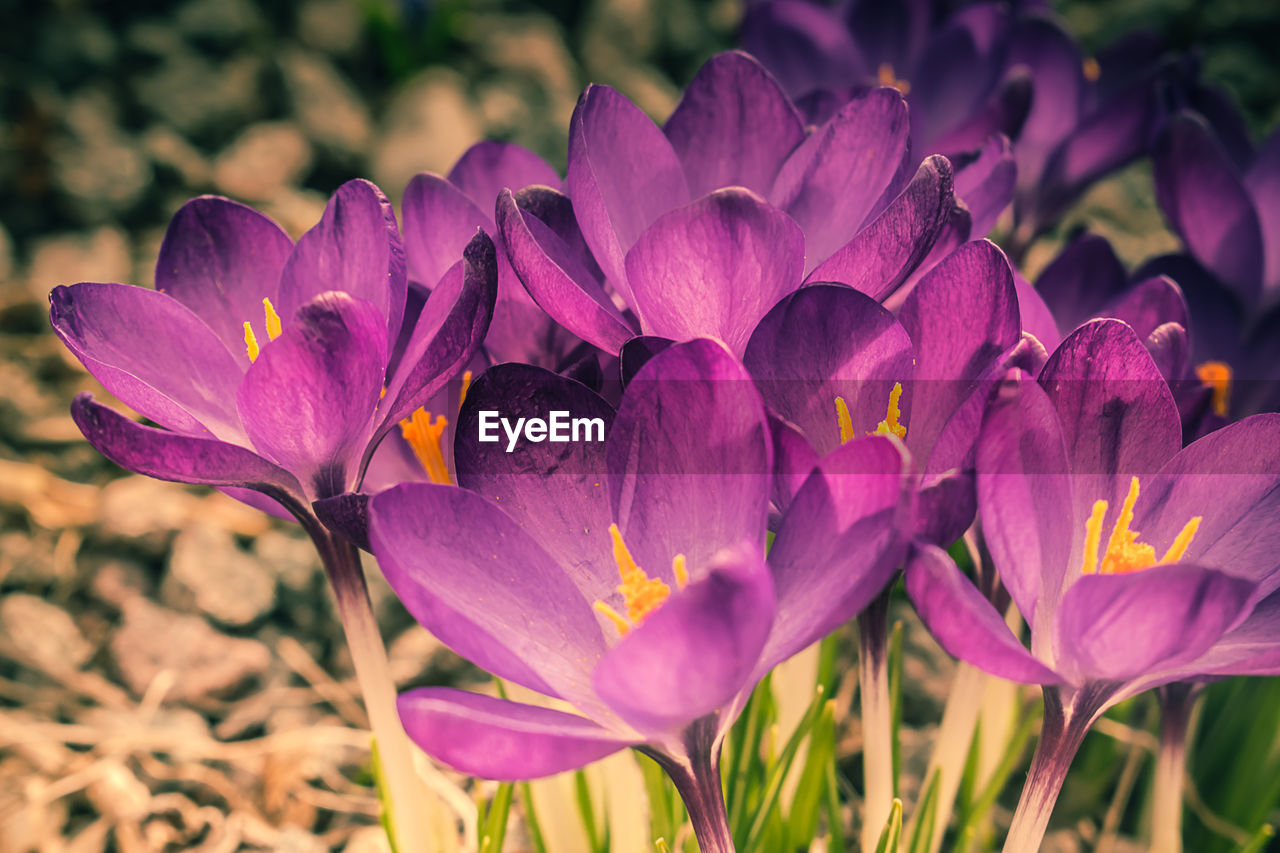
point(466, 386)
point(891, 425)
point(1124, 553)
point(1092, 70)
point(251, 342)
point(640, 593)
point(887, 78)
point(424, 435)
point(273, 320)
point(844, 420)
point(1217, 375)
point(1093, 536)
point(681, 571)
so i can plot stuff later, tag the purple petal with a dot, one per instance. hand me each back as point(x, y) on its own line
point(496, 739)
point(623, 175)
point(184, 459)
point(1252, 648)
point(221, 259)
point(1084, 277)
point(489, 167)
point(734, 126)
point(1117, 627)
point(1056, 67)
point(355, 249)
point(556, 279)
point(697, 651)
point(805, 45)
point(1148, 305)
point(834, 179)
point(714, 267)
point(1263, 183)
point(1118, 416)
point(825, 341)
point(554, 490)
point(793, 460)
point(448, 334)
point(1207, 204)
point(478, 581)
point(690, 458)
point(308, 401)
point(966, 624)
point(1002, 115)
point(439, 221)
point(1025, 498)
point(1034, 314)
point(1231, 479)
point(961, 317)
point(880, 257)
point(986, 184)
point(636, 353)
point(839, 543)
point(152, 353)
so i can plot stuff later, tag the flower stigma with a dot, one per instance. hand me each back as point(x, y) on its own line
point(1124, 553)
point(1217, 376)
point(891, 425)
point(425, 435)
point(274, 329)
point(640, 593)
point(886, 77)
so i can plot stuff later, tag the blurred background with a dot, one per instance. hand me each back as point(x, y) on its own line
point(171, 674)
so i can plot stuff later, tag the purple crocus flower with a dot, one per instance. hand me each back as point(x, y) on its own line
point(268, 368)
point(519, 570)
point(953, 70)
point(732, 180)
point(1130, 557)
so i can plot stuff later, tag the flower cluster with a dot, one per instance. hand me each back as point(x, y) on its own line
point(812, 374)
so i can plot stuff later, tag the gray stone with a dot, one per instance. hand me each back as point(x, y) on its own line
point(325, 104)
point(265, 159)
point(204, 662)
point(428, 126)
point(44, 633)
point(290, 558)
point(208, 571)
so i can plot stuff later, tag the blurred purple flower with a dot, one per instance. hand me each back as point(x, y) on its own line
point(1070, 468)
point(519, 570)
point(291, 406)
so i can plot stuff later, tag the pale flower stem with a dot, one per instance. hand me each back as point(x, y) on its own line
point(1066, 722)
point(877, 719)
point(407, 797)
point(1176, 704)
point(951, 748)
point(696, 775)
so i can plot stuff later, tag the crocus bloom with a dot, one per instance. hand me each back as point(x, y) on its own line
point(953, 71)
point(267, 366)
point(519, 570)
point(1130, 557)
point(847, 207)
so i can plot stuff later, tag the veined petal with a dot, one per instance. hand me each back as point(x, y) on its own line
point(1084, 277)
point(489, 166)
point(986, 184)
point(152, 353)
point(1118, 627)
point(697, 651)
point(439, 221)
point(714, 267)
point(554, 490)
point(966, 624)
point(839, 543)
point(805, 45)
point(623, 175)
point(831, 183)
point(734, 126)
point(221, 259)
point(355, 248)
point(882, 255)
point(557, 280)
point(184, 459)
point(308, 400)
point(478, 581)
point(497, 739)
point(690, 461)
